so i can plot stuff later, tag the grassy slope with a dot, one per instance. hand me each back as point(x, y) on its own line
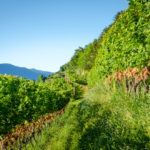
point(102, 120)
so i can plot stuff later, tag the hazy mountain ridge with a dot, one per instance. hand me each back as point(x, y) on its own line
point(31, 74)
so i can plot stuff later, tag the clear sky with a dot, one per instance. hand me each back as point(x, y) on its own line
point(43, 34)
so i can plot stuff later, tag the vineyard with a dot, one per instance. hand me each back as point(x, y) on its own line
point(25, 100)
point(26, 133)
point(100, 99)
point(126, 43)
point(133, 79)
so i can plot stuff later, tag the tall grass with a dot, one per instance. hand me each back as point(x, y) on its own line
point(104, 120)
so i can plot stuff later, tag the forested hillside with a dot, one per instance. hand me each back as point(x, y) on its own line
point(105, 85)
point(30, 74)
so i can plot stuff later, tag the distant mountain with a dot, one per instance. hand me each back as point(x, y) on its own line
point(31, 74)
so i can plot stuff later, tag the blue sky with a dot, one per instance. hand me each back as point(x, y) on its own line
point(43, 34)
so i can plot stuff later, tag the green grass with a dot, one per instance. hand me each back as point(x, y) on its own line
point(103, 120)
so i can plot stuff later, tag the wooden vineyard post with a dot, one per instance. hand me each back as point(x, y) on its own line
point(74, 90)
point(1, 143)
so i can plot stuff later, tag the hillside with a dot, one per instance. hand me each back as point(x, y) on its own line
point(31, 74)
point(125, 44)
point(106, 86)
point(114, 114)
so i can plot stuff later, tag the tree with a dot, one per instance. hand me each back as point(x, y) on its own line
point(41, 78)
